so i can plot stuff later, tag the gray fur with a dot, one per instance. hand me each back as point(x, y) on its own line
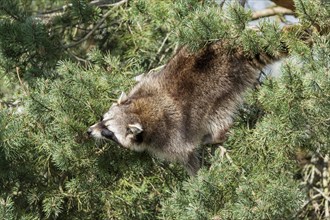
point(190, 101)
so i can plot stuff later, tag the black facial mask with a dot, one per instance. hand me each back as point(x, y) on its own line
point(109, 135)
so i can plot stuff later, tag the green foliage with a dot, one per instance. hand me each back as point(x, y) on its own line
point(230, 192)
point(7, 208)
point(296, 109)
point(202, 25)
point(25, 41)
point(61, 172)
point(82, 10)
point(312, 13)
point(150, 33)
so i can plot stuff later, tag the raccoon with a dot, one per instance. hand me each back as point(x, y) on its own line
point(189, 102)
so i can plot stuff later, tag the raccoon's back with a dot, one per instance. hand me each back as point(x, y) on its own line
point(210, 81)
point(213, 68)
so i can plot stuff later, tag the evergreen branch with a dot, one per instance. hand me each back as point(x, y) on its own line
point(239, 17)
point(95, 27)
point(48, 16)
point(42, 105)
point(15, 17)
point(278, 10)
point(56, 10)
point(70, 96)
point(89, 33)
point(97, 3)
point(205, 25)
point(305, 13)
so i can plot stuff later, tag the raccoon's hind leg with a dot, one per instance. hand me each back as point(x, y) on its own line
point(216, 138)
point(192, 165)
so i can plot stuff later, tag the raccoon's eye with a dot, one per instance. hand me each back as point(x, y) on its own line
point(126, 102)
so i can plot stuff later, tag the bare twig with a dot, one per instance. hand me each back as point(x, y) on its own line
point(98, 24)
point(10, 104)
point(224, 153)
point(325, 184)
point(160, 49)
point(21, 82)
point(326, 197)
point(48, 16)
point(15, 17)
point(301, 210)
point(271, 12)
point(62, 9)
point(89, 33)
point(117, 3)
point(83, 61)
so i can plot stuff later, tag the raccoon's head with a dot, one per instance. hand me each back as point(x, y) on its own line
point(120, 125)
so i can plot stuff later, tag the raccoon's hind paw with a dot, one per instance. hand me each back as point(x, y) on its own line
point(193, 164)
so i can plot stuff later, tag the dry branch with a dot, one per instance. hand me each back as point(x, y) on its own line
point(289, 4)
point(47, 16)
point(26, 91)
point(278, 10)
point(98, 24)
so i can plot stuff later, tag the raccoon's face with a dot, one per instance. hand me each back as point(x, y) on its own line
point(121, 126)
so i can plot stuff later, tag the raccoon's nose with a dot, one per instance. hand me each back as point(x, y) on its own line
point(89, 131)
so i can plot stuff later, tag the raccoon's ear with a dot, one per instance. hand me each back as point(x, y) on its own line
point(139, 77)
point(135, 128)
point(122, 98)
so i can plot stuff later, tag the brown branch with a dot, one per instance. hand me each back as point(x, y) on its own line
point(15, 17)
point(160, 50)
point(271, 12)
point(89, 33)
point(289, 4)
point(325, 196)
point(47, 16)
point(99, 23)
point(98, 3)
point(79, 59)
point(301, 210)
point(26, 91)
point(114, 4)
point(325, 184)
